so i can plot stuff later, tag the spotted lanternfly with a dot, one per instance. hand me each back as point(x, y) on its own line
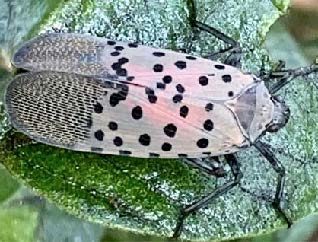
point(92, 94)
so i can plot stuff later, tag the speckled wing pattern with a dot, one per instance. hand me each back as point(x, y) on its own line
point(122, 98)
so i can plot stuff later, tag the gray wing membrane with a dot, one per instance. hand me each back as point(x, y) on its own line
point(69, 53)
point(53, 108)
point(58, 102)
point(90, 114)
point(138, 64)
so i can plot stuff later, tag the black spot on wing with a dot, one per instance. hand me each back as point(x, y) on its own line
point(167, 79)
point(115, 66)
point(136, 112)
point(227, 78)
point(153, 155)
point(203, 143)
point(115, 98)
point(121, 72)
point(98, 108)
point(99, 135)
point(112, 125)
point(170, 130)
point(180, 88)
point(203, 80)
point(118, 141)
point(124, 152)
point(208, 125)
point(219, 67)
point(123, 60)
point(144, 139)
point(166, 146)
point(111, 42)
point(161, 85)
point(209, 107)
point(132, 45)
point(177, 98)
point(184, 110)
point(97, 149)
point(130, 78)
point(158, 54)
point(119, 48)
point(181, 64)
point(149, 91)
point(115, 53)
point(189, 57)
point(152, 98)
point(182, 155)
point(158, 68)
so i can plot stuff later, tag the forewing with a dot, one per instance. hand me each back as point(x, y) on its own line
point(100, 115)
point(142, 65)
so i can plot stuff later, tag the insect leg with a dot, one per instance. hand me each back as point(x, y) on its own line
point(280, 170)
point(286, 76)
point(265, 76)
point(192, 208)
point(216, 33)
point(234, 48)
point(210, 165)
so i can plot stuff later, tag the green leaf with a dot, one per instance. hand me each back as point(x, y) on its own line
point(57, 226)
point(17, 224)
point(145, 195)
point(19, 17)
point(8, 184)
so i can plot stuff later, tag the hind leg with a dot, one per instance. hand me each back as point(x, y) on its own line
point(210, 166)
point(196, 205)
point(280, 170)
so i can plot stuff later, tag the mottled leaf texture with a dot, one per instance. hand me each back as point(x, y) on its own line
point(145, 195)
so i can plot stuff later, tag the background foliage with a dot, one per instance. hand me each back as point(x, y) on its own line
point(67, 177)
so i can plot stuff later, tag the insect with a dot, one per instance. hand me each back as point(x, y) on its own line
point(97, 95)
point(114, 96)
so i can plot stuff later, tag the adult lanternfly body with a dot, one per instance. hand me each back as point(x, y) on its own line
point(92, 94)
point(113, 101)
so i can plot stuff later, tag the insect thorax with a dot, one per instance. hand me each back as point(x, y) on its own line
point(256, 111)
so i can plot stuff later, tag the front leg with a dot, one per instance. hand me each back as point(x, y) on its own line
point(284, 77)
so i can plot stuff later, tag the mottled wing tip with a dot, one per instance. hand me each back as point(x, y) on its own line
point(53, 108)
point(72, 53)
point(22, 58)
